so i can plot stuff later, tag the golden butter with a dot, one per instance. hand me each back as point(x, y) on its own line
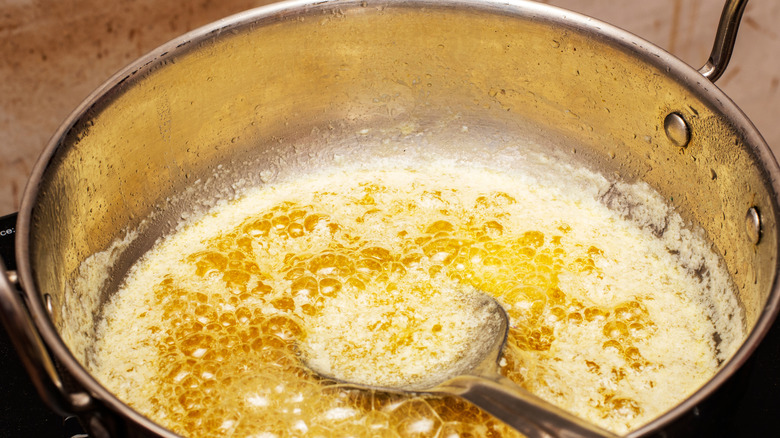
point(203, 336)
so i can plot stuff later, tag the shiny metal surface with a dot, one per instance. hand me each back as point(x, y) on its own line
point(256, 97)
point(484, 386)
point(725, 38)
point(677, 130)
point(28, 342)
point(475, 377)
point(753, 225)
point(13, 278)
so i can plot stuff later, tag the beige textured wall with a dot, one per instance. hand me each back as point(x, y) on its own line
point(53, 53)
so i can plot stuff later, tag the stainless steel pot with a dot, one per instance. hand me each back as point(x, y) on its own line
point(277, 89)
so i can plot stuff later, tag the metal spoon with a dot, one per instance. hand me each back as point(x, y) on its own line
point(476, 378)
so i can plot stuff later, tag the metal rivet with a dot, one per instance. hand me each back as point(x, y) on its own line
point(677, 130)
point(47, 300)
point(753, 225)
point(13, 277)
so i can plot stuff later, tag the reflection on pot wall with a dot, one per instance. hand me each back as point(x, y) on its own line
point(54, 53)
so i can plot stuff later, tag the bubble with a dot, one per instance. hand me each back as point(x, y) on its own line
point(197, 344)
point(227, 319)
point(280, 222)
point(369, 267)
point(595, 314)
point(558, 313)
point(312, 308)
point(614, 345)
point(311, 221)
point(444, 250)
point(305, 287)
point(262, 289)
point(525, 251)
point(412, 260)
point(531, 239)
point(295, 230)
point(439, 227)
point(243, 315)
point(207, 262)
point(615, 330)
point(236, 279)
point(631, 311)
point(258, 229)
point(329, 287)
point(331, 264)
point(282, 326)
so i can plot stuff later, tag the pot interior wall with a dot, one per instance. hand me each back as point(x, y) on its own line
point(268, 96)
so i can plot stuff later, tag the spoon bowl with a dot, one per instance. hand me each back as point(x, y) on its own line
point(475, 376)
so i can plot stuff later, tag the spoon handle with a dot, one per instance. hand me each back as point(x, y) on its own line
point(530, 415)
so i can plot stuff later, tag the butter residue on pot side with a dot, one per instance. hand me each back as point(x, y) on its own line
point(606, 321)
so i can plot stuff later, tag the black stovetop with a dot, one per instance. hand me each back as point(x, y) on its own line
point(22, 413)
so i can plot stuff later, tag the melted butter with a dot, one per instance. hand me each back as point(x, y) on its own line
point(202, 338)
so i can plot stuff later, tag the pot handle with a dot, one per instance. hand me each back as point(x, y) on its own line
point(725, 37)
point(25, 336)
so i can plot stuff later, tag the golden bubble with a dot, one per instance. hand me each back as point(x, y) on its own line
point(329, 287)
point(397, 268)
point(312, 308)
point(440, 226)
point(236, 279)
point(262, 289)
point(526, 251)
point(304, 287)
point(556, 296)
point(612, 344)
point(331, 264)
point(282, 326)
point(356, 283)
point(208, 261)
point(243, 315)
point(615, 330)
point(595, 313)
point(443, 250)
point(295, 230)
point(533, 239)
point(369, 266)
point(311, 221)
point(377, 253)
point(197, 344)
point(258, 228)
point(294, 273)
point(283, 303)
point(205, 313)
point(227, 319)
point(630, 312)
point(280, 222)
point(296, 215)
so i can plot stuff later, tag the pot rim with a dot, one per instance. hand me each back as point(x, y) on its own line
point(643, 50)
